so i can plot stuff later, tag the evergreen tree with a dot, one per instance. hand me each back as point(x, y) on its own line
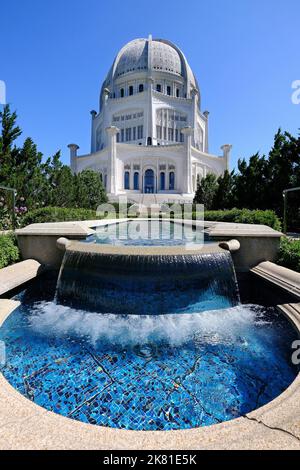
point(206, 191)
point(9, 133)
point(251, 182)
point(90, 190)
point(41, 183)
point(25, 175)
point(284, 164)
point(225, 197)
point(61, 183)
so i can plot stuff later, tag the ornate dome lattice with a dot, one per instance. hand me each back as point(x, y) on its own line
point(150, 56)
point(134, 57)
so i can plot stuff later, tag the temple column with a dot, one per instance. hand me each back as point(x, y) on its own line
point(112, 159)
point(206, 147)
point(226, 155)
point(187, 176)
point(93, 133)
point(73, 157)
point(195, 107)
point(149, 123)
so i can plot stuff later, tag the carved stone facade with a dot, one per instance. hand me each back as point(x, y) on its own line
point(150, 135)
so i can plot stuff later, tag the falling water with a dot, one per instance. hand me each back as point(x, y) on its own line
point(147, 284)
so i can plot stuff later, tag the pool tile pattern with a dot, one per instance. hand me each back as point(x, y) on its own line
point(156, 386)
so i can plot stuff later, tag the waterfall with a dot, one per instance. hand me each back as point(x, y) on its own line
point(147, 284)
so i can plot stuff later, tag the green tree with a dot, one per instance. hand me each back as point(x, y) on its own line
point(42, 182)
point(90, 190)
point(284, 168)
point(25, 175)
point(224, 197)
point(206, 191)
point(9, 133)
point(251, 182)
point(61, 183)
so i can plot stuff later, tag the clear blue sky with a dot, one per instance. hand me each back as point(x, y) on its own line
point(54, 55)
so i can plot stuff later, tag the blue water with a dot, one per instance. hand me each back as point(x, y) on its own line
point(148, 372)
point(148, 233)
point(147, 285)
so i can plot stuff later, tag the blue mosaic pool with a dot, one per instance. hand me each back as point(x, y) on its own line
point(164, 372)
point(146, 342)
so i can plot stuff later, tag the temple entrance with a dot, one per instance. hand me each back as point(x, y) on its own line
point(149, 182)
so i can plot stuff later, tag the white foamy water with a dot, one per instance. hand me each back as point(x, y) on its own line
point(219, 326)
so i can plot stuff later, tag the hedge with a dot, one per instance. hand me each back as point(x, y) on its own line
point(289, 254)
point(245, 216)
point(59, 214)
point(9, 251)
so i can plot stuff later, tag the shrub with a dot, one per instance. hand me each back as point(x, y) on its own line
point(57, 214)
point(245, 216)
point(60, 214)
point(289, 254)
point(9, 251)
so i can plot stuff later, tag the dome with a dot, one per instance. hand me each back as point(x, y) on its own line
point(141, 55)
point(153, 57)
point(133, 57)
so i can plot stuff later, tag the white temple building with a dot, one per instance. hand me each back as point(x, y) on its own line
point(150, 135)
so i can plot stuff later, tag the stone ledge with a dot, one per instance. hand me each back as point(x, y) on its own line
point(68, 229)
point(228, 229)
point(7, 306)
point(284, 278)
point(18, 274)
point(292, 312)
point(136, 250)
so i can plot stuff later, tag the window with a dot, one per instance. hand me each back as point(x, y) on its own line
point(158, 87)
point(118, 137)
point(169, 90)
point(170, 134)
point(158, 132)
point(181, 137)
point(134, 133)
point(141, 88)
point(130, 90)
point(162, 181)
point(122, 93)
point(140, 132)
point(149, 141)
point(136, 181)
point(122, 135)
point(165, 133)
point(126, 180)
point(172, 181)
point(128, 134)
point(177, 92)
point(176, 135)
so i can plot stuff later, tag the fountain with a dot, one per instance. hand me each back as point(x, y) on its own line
point(146, 338)
point(144, 284)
